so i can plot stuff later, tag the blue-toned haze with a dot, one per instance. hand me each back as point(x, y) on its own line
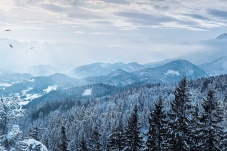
point(69, 33)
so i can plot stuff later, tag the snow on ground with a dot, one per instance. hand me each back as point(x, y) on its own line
point(5, 84)
point(31, 80)
point(16, 82)
point(87, 92)
point(32, 96)
point(14, 132)
point(22, 103)
point(2, 148)
point(26, 90)
point(32, 144)
point(50, 88)
point(172, 72)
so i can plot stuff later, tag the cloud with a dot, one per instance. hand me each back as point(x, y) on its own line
point(78, 32)
point(161, 8)
point(108, 30)
point(53, 7)
point(103, 33)
point(197, 16)
point(143, 19)
point(117, 1)
point(122, 14)
point(218, 13)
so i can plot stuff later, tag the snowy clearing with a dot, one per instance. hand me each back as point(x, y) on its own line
point(5, 84)
point(172, 72)
point(87, 92)
point(50, 88)
point(32, 96)
point(26, 90)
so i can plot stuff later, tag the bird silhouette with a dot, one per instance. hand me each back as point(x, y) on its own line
point(10, 45)
point(7, 30)
point(32, 48)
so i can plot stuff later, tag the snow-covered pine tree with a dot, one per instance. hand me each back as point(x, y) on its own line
point(64, 141)
point(83, 145)
point(212, 117)
point(46, 143)
point(116, 139)
point(157, 134)
point(30, 145)
point(179, 119)
point(95, 141)
point(3, 117)
point(196, 130)
point(10, 114)
point(34, 133)
point(134, 141)
point(224, 141)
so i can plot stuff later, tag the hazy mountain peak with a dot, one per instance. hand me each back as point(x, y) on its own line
point(103, 69)
point(172, 71)
point(180, 61)
point(41, 70)
point(222, 36)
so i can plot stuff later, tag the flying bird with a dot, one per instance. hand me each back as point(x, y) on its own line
point(32, 48)
point(11, 45)
point(7, 30)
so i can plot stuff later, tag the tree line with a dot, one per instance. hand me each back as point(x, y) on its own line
point(181, 127)
point(124, 123)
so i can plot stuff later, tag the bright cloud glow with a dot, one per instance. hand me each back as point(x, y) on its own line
point(78, 32)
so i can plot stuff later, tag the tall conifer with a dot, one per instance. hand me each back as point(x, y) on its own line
point(157, 133)
point(132, 132)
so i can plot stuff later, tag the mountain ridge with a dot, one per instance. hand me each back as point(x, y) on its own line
point(103, 69)
point(222, 36)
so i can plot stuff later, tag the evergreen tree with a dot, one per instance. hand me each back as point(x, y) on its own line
point(95, 141)
point(34, 133)
point(132, 134)
point(196, 131)
point(180, 119)
point(212, 117)
point(46, 143)
point(64, 141)
point(224, 141)
point(157, 133)
point(83, 145)
point(116, 139)
point(3, 117)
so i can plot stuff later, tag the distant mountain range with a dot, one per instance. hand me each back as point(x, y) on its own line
point(103, 69)
point(213, 60)
point(171, 72)
point(167, 73)
point(42, 70)
point(45, 79)
point(116, 80)
point(27, 87)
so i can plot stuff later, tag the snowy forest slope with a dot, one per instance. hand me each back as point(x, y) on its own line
point(106, 112)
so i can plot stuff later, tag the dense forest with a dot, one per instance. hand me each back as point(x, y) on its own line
point(189, 115)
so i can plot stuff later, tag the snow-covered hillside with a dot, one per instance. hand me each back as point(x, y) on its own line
point(29, 88)
point(171, 72)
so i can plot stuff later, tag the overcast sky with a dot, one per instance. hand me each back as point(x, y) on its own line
point(77, 32)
